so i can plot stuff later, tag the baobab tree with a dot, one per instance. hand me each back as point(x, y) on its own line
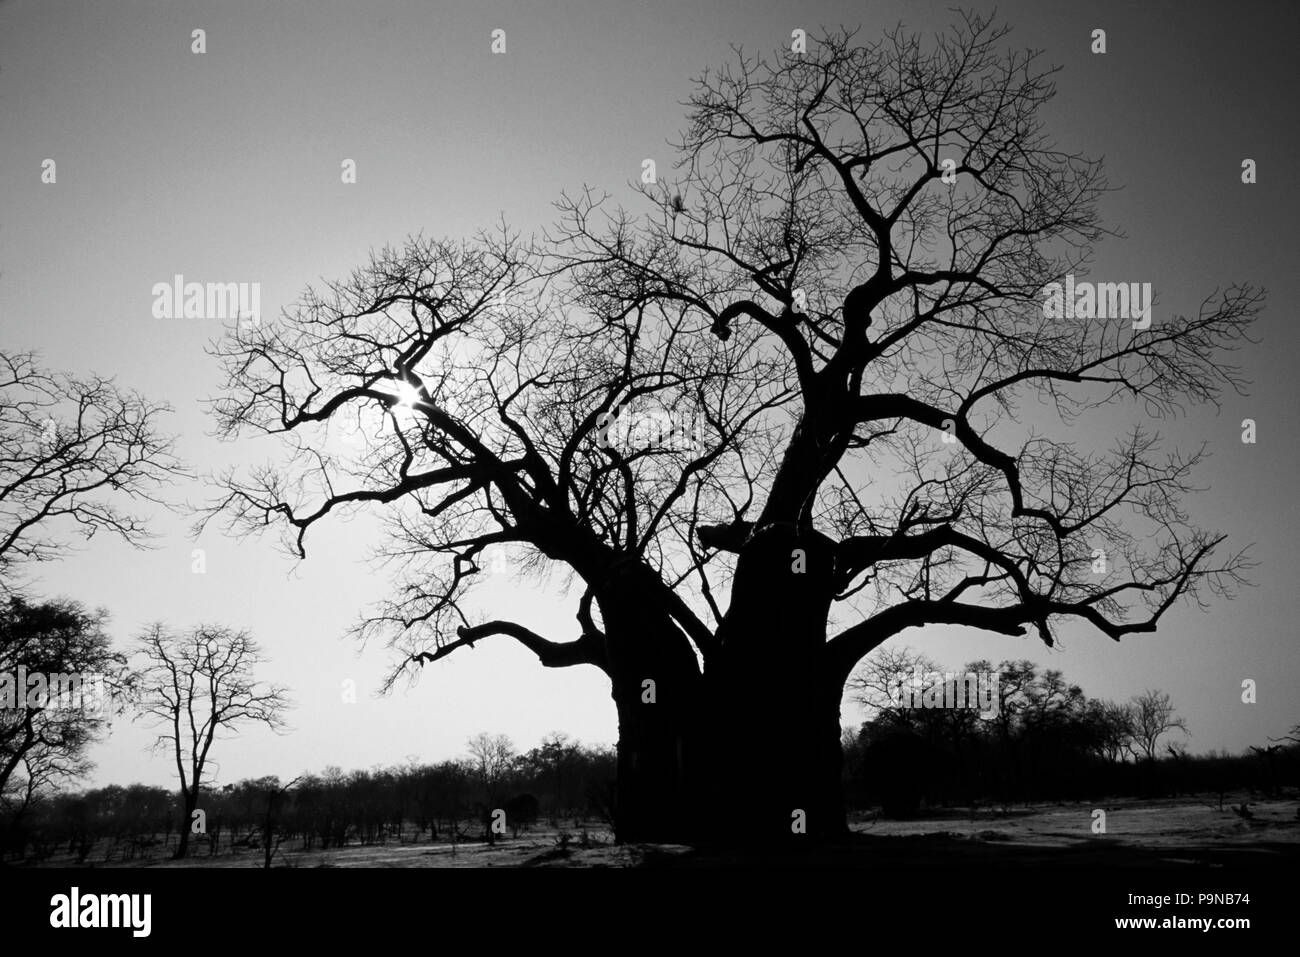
point(195, 685)
point(837, 310)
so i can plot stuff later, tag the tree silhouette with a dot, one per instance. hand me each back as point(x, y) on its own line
point(491, 756)
point(1153, 716)
point(1113, 727)
point(46, 727)
point(813, 384)
point(195, 685)
point(877, 683)
point(73, 452)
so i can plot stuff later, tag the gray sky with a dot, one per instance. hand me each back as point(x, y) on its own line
point(225, 167)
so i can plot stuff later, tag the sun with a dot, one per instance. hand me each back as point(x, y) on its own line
point(408, 395)
point(405, 392)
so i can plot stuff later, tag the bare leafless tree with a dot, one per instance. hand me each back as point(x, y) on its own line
point(1153, 717)
point(1115, 729)
point(75, 454)
point(897, 210)
point(195, 685)
point(882, 419)
point(491, 756)
point(875, 685)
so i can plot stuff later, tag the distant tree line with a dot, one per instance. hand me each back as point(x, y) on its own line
point(1029, 736)
point(561, 782)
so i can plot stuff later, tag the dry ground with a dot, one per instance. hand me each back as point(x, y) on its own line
point(1153, 833)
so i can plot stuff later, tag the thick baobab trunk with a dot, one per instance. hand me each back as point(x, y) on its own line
point(773, 721)
point(656, 685)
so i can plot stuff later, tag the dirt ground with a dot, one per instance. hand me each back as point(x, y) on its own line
point(1137, 833)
